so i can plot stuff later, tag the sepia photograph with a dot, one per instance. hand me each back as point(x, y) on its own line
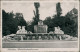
point(39, 24)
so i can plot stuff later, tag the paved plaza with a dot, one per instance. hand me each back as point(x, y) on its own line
point(41, 44)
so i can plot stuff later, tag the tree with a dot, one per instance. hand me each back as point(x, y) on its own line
point(10, 22)
point(56, 21)
point(67, 23)
point(58, 9)
point(49, 23)
point(73, 22)
point(35, 18)
point(20, 20)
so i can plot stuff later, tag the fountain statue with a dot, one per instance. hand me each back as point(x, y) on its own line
point(21, 30)
point(58, 30)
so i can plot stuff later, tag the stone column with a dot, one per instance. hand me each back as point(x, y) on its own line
point(21, 38)
point(53, 36)
point(48, 37)
point(43, 36)
point(60, 38)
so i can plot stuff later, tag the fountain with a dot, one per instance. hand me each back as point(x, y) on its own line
point(21, 32)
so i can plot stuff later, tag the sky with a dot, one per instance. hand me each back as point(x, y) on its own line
point(46, 9)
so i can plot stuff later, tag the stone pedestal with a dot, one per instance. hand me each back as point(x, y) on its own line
point(40, 28)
